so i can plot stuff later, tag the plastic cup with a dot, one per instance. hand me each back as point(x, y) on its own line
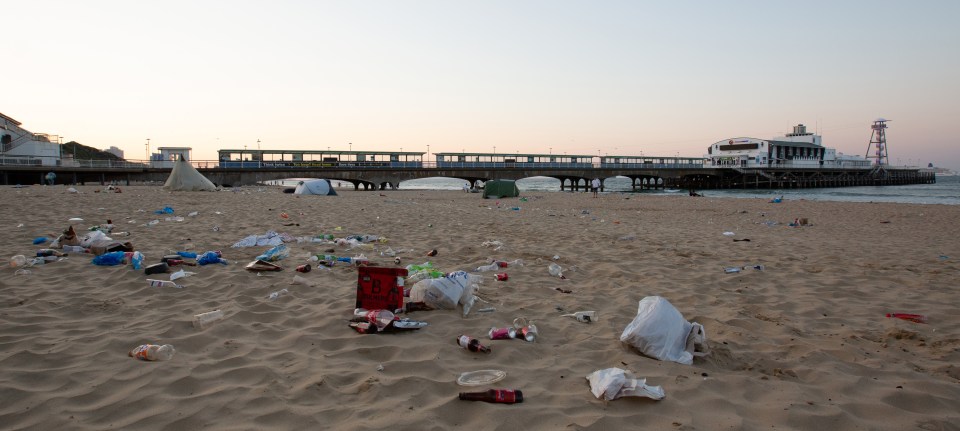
point(529, 333)
point(18, 261)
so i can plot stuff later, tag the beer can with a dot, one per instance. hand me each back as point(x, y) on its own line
point(502, 333)
point(304, 268)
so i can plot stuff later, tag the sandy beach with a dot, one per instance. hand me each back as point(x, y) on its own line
point(802, 344)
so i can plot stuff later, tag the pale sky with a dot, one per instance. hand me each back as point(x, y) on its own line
point(575, 77)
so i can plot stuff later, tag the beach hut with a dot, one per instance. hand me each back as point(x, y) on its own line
point(495, 189)
point(315, 187)
point(184, 177)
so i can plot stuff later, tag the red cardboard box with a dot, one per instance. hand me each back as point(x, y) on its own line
point(380, 288)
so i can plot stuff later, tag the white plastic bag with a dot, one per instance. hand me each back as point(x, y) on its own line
point(661, 332)
point(442, 292)
point(93, 236)
point(613, 383)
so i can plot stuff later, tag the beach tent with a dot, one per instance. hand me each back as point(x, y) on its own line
point(315, 187)
point(184, 177)
point(495, 189)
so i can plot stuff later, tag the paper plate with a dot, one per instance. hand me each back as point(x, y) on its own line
point(75, 219)
point(480, 377)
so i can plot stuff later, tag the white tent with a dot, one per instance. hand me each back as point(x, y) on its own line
point(184, 177)
point(315, 187)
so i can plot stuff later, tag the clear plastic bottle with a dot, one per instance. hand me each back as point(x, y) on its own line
point(153, 352)
point(203, 320)
point(163, 283)
point(505, 264)
point(74, 249)
point(274, 295)
point(381, 318)
point(491, 267)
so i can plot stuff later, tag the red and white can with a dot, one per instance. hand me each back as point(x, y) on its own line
point(502, 333)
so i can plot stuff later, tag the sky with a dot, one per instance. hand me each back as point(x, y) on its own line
point(576, 77)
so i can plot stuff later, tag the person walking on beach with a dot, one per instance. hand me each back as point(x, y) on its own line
point(595, 185)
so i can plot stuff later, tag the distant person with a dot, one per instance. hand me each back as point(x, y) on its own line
point(595, 185)
point(51, 177)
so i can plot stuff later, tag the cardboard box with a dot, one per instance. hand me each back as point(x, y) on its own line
point(380, 288)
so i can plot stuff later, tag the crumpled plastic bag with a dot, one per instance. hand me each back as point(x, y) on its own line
point(661, 332)
point(421, 272)
point(613, 383)
point(210, 257)
point(165, 210)
point(274, 254)
point(446, 292)
point(93, 236)
point(109, 259)
point(270, 238)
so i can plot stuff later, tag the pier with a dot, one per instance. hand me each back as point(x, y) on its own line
point(684, 175)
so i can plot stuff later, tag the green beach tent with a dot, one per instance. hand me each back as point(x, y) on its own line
point(495, 189)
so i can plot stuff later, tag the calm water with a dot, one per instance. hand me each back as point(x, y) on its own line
point(945, 191)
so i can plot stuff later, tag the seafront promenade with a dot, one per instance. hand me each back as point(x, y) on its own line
point(681, 175)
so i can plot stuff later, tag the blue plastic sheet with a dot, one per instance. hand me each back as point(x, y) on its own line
point(109, 259)
point(210, 257)
point(165, 210)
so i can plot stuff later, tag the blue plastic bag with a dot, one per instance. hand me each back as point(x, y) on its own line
point(40, 240)
point(109, 259)
point(165, 210)
point(137, 260)
point(210, 257)
point(187, 254)
point(274, 254)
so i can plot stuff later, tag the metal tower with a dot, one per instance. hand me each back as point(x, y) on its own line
point(878, 140)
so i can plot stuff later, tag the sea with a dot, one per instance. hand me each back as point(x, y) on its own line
point(946, 191)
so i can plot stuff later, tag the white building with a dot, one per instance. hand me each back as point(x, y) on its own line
point(23, 147)
point(166, 156)
point(115, 151)
point(800, 149)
